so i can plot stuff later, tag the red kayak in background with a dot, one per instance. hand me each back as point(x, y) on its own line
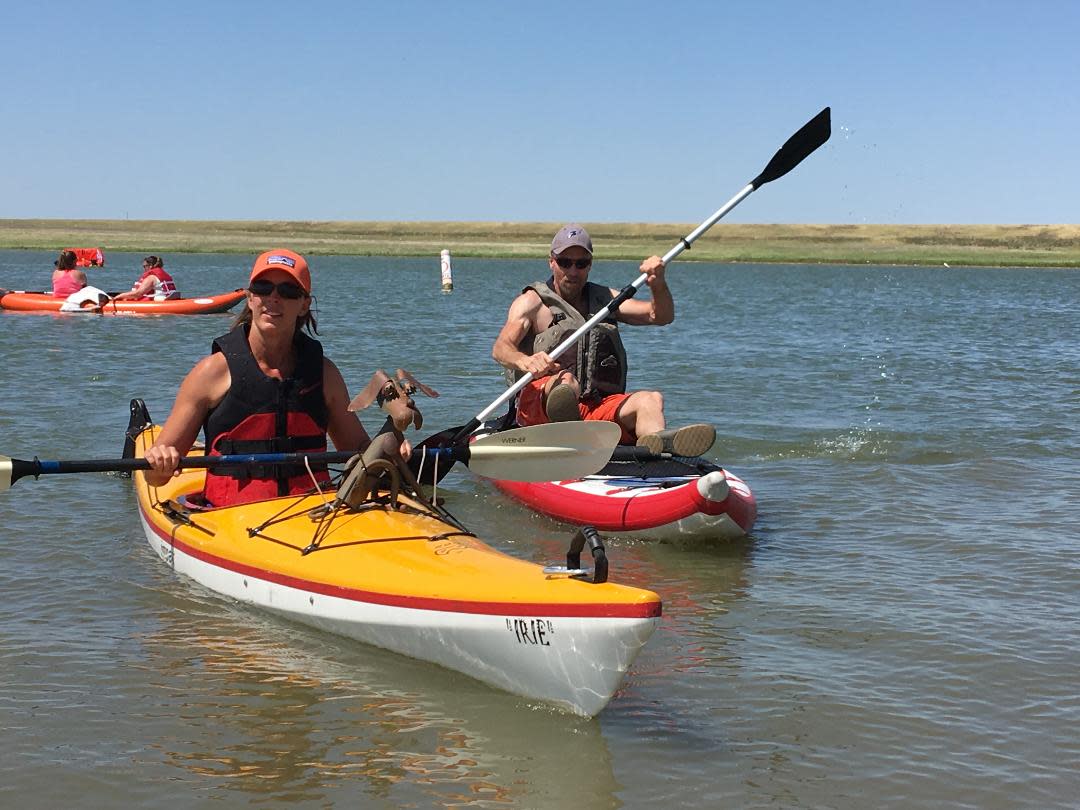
point(19, 301)
point(88, 257)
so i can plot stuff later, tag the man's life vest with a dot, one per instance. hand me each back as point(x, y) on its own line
point(600, 360)
point(260, 414)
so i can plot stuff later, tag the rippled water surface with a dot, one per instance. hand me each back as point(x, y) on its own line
point(901, 630)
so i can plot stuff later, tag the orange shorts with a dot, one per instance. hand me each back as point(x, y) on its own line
point(530, 409)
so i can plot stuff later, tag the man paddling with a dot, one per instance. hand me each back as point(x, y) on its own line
point(589, 381)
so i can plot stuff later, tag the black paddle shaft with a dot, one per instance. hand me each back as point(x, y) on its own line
point(38, 467)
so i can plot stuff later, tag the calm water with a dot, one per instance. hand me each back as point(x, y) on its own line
point(902, 629)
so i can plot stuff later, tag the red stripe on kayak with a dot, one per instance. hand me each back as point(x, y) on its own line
point(539, 609)
point(645, 508)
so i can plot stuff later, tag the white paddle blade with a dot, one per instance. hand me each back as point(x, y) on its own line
point(554, 452)
point(5, 473)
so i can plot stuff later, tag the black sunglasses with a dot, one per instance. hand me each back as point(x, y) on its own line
point(566, 264)
point(286, 289)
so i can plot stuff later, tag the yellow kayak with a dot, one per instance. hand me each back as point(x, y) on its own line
point(400, 573)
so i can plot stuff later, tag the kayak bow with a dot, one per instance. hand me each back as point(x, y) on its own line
point(399, 573)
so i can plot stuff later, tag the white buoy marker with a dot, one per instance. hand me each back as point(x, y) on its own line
point(447, 273)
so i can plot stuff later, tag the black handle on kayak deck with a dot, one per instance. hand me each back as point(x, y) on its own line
point(596, 546)
point(626, 452)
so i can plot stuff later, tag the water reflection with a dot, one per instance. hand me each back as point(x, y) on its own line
point(268, 709)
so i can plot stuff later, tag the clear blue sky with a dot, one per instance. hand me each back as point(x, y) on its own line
point(943, 112)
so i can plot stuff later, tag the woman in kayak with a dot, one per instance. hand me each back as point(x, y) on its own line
point(266, 387)
point(67, 278)
point(154, 283)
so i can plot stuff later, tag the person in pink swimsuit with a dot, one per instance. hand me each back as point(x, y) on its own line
point(67, 278)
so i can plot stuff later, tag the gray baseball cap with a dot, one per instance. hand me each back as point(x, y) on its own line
point(569, 236)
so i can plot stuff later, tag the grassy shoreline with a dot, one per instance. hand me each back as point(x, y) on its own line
point(982, 245)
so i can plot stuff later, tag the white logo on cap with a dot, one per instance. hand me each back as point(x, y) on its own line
point(285, 260)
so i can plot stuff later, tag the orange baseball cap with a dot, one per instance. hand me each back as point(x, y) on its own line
point(287, 261)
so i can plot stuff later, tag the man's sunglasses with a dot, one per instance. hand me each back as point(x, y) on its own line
point(286, 289)
point(566, 264)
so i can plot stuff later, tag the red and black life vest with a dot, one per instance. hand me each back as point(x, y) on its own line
point(260, 414)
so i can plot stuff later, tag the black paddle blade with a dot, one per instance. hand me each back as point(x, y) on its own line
point(798, 147)
point(431, 469)
point(12, 469)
